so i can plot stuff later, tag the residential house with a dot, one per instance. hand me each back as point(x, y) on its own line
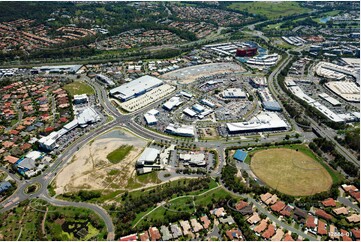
point(322, 228)
point(196, 225)
point(270, 231)
point(340, 210)
point(235, 234)
point(333, 233)
point(329, 202)
point(254, 219)
point(166, 234)
point(288, 237)
point(144, 236)
point(321, 213)
point(261, 226)
point(278, 206)
point(354, 218)
point(345, 235)
point(278, 236)
point(229, 220)
point(218, 212)
point(186, 227)
point(176, 231)
point(154, 234)
point(206, 221)
point(131, 237)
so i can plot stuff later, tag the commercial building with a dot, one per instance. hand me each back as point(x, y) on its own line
point(148, 98)
point(268, 102)
point(265, 60)
point(208, 103)
point(172, 103)
point(104, 79)
point(193, 159)
point(198, 108)
point(294, 40)
point(186, 94)
point(4, 186)
point(180, 130)
point(257, 82)
point(233, 93)
point(148, 157)
point(349, 91)
point(333, 71)
point(247, 51)
point(150, 117)
point(331, 100)
point(71, 69)
point(135, 88)
point(80, 99)
point(189, 112)
point(86, 117)
point(266, 121)
point(272, 106)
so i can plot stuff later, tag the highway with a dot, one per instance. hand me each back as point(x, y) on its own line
point(323, 131)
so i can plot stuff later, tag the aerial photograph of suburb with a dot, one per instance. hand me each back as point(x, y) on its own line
point(180, 120)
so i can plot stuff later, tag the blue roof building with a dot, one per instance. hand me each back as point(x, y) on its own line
point(240, 155)
point(272, 106)
point(5, 185)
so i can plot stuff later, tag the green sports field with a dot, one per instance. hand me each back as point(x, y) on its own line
point(290, 171)
point(77, 88)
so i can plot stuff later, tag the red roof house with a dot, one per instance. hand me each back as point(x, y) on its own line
point(321, 213)
point(329, 202)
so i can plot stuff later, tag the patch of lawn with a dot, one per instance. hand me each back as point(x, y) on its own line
point(119, 154)
point(77, 88)
point(270, 10)
point(113, 172)
point(151, 177)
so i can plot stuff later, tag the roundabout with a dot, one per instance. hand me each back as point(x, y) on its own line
point(290, 171)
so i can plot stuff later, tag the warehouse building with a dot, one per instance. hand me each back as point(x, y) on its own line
point(180, 130)
point(268, 102)
point(172, 103)
point(150, 119)
point(148, 158)
point(71, 69)
point(135, 88)
point(86, 117)
point(331, 100)
point(80, 99)
point(257, 82)
point(104, 79)
point(208, 103)
point(193, 159)
point(266, 121)
point(186, 94)
point(234, 93)
point(189, 112)
point(198, 108)
point(349, 91)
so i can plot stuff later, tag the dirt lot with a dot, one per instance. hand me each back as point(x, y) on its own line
point(209, 133)
point(90, 169)
point(291, 172)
